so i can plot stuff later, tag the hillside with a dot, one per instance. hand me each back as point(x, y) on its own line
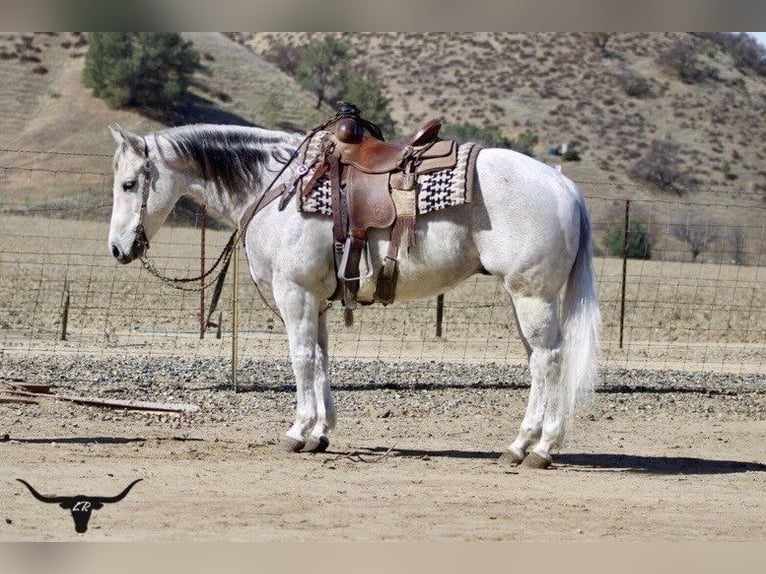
point(47, 109)
point(560, 87)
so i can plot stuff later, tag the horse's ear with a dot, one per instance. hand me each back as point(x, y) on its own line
point(116, 133)
point(123, 136)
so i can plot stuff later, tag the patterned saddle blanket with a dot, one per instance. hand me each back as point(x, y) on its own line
point(436, 190)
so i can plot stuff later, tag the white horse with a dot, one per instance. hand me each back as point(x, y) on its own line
point(527, 225)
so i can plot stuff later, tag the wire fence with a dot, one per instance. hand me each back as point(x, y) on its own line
point(692, 296)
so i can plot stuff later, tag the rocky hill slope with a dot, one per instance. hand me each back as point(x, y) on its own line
point(608, 102)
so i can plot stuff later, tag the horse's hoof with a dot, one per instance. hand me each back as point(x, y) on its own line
point(510, 457)
point(316, 444)
point(534, 460)
point(289, 444)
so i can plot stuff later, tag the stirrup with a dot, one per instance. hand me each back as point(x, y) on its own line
point(344, 262)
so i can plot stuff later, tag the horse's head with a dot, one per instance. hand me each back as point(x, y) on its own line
point(142, 197)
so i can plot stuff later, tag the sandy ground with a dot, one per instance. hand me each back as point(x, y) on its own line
point(406, 463)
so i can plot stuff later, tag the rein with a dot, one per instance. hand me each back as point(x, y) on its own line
point(176, 282)
point(270, 194)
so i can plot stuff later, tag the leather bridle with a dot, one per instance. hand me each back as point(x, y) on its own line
point(143, 241)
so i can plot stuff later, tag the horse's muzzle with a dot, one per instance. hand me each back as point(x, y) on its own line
point(137, 249)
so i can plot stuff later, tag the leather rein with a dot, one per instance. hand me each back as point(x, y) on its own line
point(224, 258)
point(269, 195)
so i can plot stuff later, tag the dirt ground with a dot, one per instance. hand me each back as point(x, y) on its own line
point(405, 464)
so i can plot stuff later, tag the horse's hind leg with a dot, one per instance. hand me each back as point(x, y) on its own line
point(537, 319)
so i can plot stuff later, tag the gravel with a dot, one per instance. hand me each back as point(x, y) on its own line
point(369, 388)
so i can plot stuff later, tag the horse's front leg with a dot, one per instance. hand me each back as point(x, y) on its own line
point(300, 313)
point(318, 441)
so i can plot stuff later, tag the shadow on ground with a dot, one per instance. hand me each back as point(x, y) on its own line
point(673, 465)
point(669, 465)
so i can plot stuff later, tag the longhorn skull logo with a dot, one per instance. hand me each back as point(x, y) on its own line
point(80, 506)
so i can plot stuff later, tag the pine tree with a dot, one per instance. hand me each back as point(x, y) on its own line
point(323, 68)
point(368, 96)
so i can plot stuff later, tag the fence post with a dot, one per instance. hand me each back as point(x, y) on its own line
point(439, 314)
point(202, 220)
point(234, 315)
point(626, 230)
point(65, 311)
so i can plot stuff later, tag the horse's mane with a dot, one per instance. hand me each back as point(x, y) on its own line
point(233, 157)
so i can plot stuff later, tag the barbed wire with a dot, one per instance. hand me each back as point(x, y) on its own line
point(65, 153)
point(46, 170)
point(579, 182)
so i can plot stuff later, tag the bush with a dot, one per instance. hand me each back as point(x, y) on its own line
point(368, 96)
point(525, 143)
point(682, 59)
point(139, 68)
point(466, 131)
point(659, 167)
point(634, 84)
point(639, 242)
point(490, 136)
point(698, 231)
point(571, 155)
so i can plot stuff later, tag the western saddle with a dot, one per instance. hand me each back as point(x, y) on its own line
point(373, 185)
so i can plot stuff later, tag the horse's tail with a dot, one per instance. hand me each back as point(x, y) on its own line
point(581, 322)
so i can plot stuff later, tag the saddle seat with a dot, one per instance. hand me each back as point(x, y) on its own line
point(372, 155)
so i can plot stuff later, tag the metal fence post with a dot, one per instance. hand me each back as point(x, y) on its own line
point(235, 315)
point(202, 220)
point(439, 314)
point(626, 231)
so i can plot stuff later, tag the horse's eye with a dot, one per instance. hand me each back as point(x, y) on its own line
point(129, 185)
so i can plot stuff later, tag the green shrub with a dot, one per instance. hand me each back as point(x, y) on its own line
point(466, 131)
point(490, 136)
point(139, 68)
point(368, 96)
point(323, 69)
point(525, 143)
point(571, 155)
point(639, 241)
